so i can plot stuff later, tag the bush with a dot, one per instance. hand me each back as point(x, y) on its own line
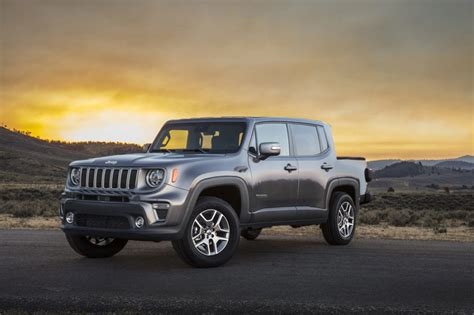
point(440, 229)
point(390, 190)
point(23, 213)
point(401, 218)
point(369, 217)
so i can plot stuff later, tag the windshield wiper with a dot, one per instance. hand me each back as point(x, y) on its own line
point(195, 150)
point(162, 150)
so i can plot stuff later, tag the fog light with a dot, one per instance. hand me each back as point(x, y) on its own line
point(70, 217)
point(139, 222)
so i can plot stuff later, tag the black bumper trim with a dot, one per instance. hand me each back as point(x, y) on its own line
point(151, 232)
point(366, 198)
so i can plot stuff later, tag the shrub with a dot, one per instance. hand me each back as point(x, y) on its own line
point(390, 190)
point(369, 217)
point(23, 213)
point(440, 229)
point(401, 218)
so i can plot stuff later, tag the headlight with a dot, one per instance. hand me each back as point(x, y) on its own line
point(154, 178)
point(75, 176)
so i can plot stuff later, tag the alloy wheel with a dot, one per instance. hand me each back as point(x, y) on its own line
point(345, 219)
point(210, 232)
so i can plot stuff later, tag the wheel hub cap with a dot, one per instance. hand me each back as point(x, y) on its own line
point(210, 232)
point(345, 219)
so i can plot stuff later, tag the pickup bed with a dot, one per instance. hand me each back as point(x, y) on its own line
point(205, 182)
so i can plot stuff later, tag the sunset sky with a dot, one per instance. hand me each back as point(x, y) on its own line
point(393, 78)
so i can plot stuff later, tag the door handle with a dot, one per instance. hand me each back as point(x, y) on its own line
point(326, 167)
point(290, 168)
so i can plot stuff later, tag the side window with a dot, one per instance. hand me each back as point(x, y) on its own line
point(305, 139)
point(274, 133)
point(324, 139)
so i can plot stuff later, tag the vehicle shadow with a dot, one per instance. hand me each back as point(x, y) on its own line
point(150, 256)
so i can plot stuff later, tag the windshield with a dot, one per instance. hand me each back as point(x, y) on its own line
point(201, 137)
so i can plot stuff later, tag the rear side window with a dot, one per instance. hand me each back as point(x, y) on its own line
point(323, 138)
point(305, 139)
point(274, 133)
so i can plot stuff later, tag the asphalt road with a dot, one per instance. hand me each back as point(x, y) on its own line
point(39, 272)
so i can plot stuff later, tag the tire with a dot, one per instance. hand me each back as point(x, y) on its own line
point(214, 250)
point(250, 234)
point(85, 246)
point(331, 232)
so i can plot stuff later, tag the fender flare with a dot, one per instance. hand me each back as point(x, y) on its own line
point(343, 181)
point(200, 186)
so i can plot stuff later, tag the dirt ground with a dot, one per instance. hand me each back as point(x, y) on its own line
point(461, 233)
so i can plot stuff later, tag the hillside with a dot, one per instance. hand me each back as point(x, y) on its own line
point(25, 159)
point(463, 162)
point(400, 169)
point(456, 165)
point(410, 176)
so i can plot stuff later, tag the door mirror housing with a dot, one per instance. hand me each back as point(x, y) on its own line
point(269, 149)
point(146, 146)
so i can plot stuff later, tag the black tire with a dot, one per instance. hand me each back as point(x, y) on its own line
point(250, 234)
point(84, 247)
point(330, 229)
point(190, 254)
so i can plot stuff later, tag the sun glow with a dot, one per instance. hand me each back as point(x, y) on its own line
point(389, 85)
point(110, 125)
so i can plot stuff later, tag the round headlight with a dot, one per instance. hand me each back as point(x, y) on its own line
point(155, 177)
point(75, 176)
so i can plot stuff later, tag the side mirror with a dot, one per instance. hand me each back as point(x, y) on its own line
point(146, 146)
point(269, 149)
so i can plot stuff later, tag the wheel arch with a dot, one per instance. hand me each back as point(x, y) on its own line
point(224, 188)
point(349, 185)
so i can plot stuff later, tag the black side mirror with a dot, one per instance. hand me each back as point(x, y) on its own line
point(146, 146)
point(269, 149)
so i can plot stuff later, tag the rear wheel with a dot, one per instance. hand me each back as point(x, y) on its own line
point(340, 227)
point(95, 247)
point(250, 234)
point(212, 235)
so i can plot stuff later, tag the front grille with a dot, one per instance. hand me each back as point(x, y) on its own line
point(108, 178)
point(102, 221)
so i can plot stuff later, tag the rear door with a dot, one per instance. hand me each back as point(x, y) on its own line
point(312, 151)
point(274, 185)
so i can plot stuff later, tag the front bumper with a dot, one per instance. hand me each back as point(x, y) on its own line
point(98, 218)
point(366, 198)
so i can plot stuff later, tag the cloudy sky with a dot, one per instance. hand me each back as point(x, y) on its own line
point(393, 78)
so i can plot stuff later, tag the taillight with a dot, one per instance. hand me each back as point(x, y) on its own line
point(368, 175)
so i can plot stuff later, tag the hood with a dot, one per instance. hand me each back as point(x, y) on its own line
point(145, 159)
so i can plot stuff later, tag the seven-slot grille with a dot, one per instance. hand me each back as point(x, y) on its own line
point(109, 178)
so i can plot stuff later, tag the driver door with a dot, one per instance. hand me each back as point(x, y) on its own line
point(274, 179)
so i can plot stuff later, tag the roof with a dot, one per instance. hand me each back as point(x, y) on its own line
point(248, 118)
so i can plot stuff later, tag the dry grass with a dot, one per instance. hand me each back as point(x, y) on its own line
point(460, 234)
point(8, 221)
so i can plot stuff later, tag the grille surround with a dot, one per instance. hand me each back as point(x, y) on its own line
point(111, 178)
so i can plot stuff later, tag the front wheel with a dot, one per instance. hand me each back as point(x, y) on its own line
point(340, 227)
point(95, 247)
point(212, 235)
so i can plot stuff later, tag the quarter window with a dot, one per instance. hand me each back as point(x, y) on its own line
point(274, 133)
point(324, 139)
point(305, 139)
